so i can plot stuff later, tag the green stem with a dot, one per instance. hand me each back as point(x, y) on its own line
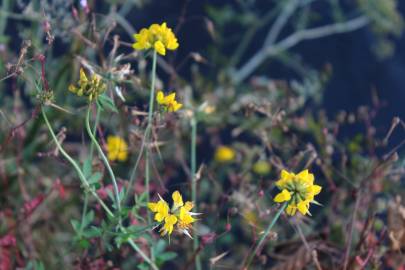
point(152, 89)
point(94, 132)
point(75, 165)
point(138, 159)
point(193, 167)
point(143, 255)
point(147, 138)
point(86, 196)
point(86, 201)
point(265, 234)
point(105, 160)
point(87, 187)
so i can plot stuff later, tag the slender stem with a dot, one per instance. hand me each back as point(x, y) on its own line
point(87, 186)
point(143, 255)
point(152, 89)
point(94, 132)
point(265, 234)
point(147, 137)
point(138, 159)
point(193, 167)
point(86, 196)
point(86, 201)
point(104, 158)
point(75, 165)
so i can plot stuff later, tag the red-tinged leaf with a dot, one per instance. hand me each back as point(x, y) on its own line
point(58, 187)
point(359, 261)
point(30, 206)
point(5, 259)
point(7, 241)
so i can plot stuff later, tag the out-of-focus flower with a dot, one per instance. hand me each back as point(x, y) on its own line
point(90, 88)
point(179, 216)
point(168, 102)
point(158, 37)
point(117, 148)
point(224, 154)
point(297, 190)
point(261, 167)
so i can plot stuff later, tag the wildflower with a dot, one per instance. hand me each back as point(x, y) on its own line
point(261, 167)
point(298, 191)
point(168, 102)
point(224, 154)
point(179, 216)
point(158, 37)
point(117, 148)
point(90, 88)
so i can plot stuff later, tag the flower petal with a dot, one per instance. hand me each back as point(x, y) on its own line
point(283, 196)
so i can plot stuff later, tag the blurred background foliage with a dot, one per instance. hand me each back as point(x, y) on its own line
point(291, 84)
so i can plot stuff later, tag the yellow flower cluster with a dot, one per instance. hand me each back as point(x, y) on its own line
point(89, 88)
point(168, 102)
point(179, 215)
point(117, 148)
point(224, 154)
point(298, 190)
point(158, 37)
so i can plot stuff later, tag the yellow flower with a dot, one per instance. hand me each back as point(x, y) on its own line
point(261, 167)
point(158, 37)
point(168, 102)
point(283, 196)
point(117, 148)
point(179, 216)
point(167, 228)
point(224, 154)
point(90, 88)
point(177, 199)
point(161, 208)
point(297, 190)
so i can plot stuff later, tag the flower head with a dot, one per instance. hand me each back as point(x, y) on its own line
point(117, 148)
point(261, 167)
point(224, 154)
point(91, 88)
point(297, 190)
point(158, 37)
point(179, 216)
point(168, 102)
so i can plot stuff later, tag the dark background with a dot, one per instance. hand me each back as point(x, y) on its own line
point(356, 68)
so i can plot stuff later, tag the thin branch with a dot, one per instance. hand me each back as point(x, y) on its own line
point(293, 40)
point(280, 22)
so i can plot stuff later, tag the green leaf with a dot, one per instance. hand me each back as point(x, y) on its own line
point(160, 247)
point(107, 103)
point(75, 225)
point(167, 256)
point(84, 243)
point(143, 266)
point(95, 178)
point(92, 232)
point(89, 217)
point(87, 168)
